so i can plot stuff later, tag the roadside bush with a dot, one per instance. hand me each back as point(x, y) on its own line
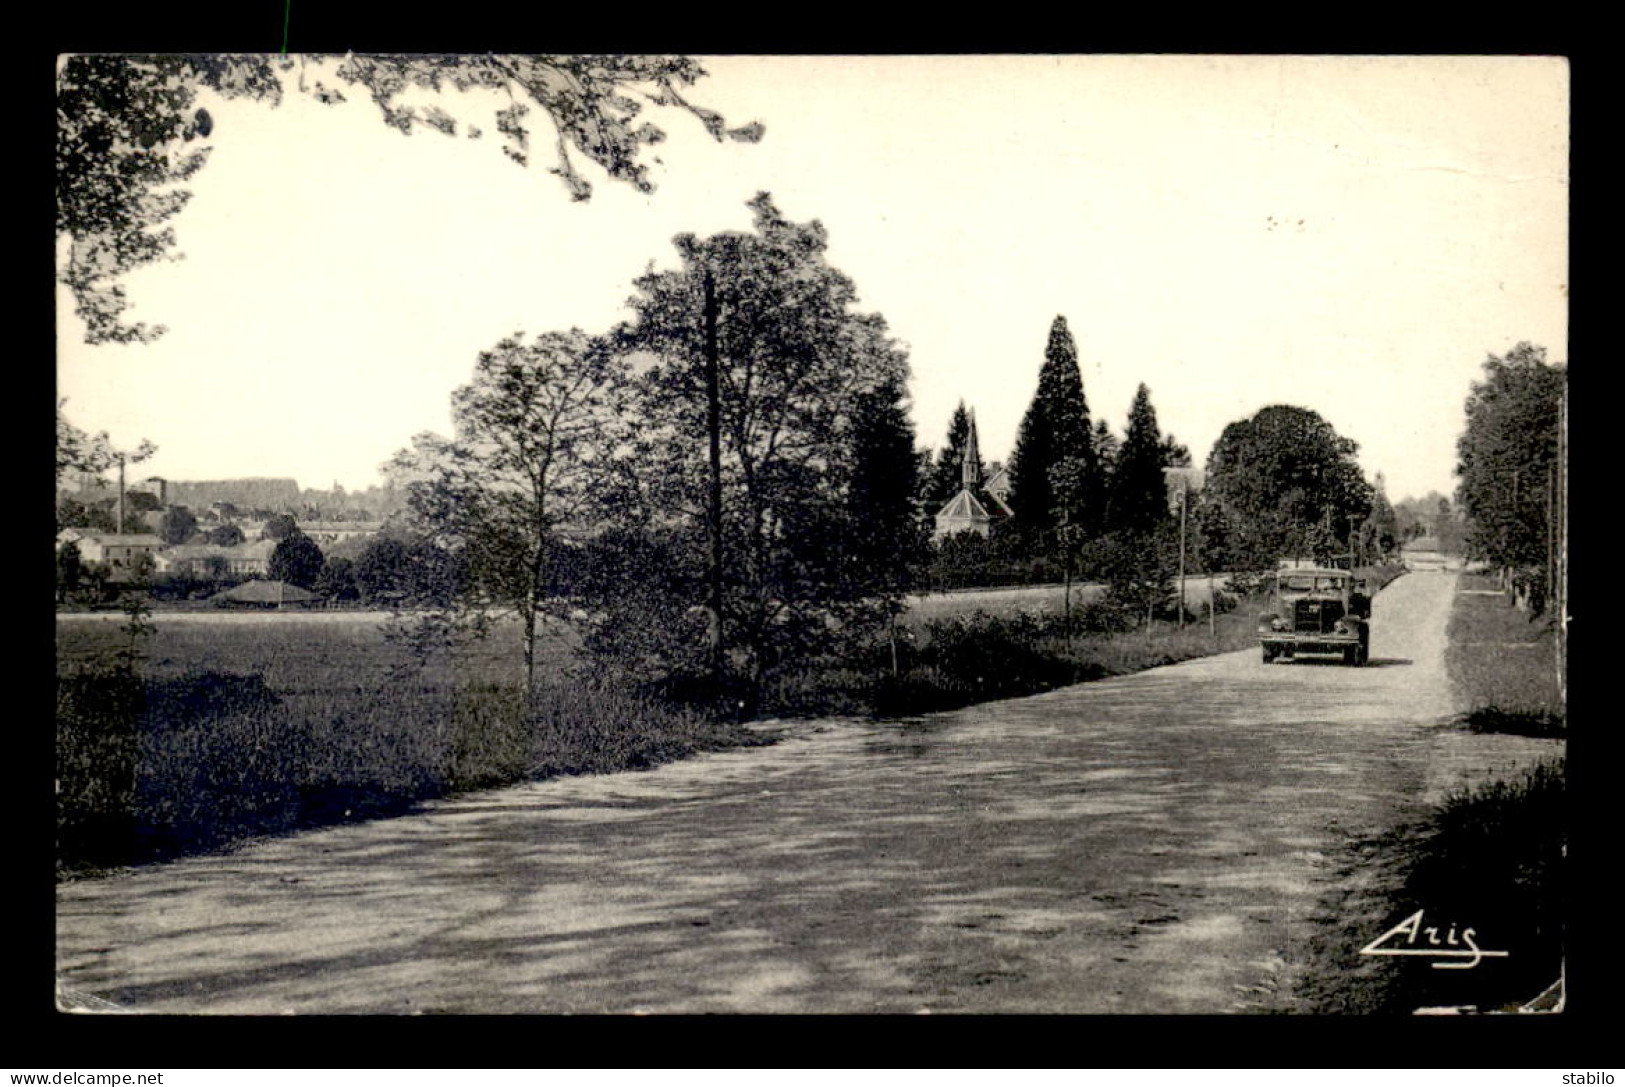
point(98, 710)
point(1491, 858)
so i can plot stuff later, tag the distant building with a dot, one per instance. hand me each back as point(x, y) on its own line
point(264, 594)
point(212, 560)
point(998, 485)
point(155, 486)
point(115, 552)
point(327, 533)
point(975, 507)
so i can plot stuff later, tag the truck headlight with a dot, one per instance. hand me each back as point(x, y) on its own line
point(1277, 623)
point(1341, 626)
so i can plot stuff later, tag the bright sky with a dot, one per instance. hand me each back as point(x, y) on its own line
point(1352, 235)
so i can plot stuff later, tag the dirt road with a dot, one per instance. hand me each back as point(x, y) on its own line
point(1153, 843)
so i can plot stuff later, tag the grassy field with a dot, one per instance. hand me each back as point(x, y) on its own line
point(239, 725)
point(1503, 663)
point(232, 730)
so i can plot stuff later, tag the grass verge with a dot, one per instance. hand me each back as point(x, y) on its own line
point(1503, 664)
point(1489, 859)
point(154, 768)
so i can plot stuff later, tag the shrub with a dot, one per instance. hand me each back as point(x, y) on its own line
point(98, 710)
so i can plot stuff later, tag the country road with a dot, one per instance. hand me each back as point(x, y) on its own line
point(1149, 844)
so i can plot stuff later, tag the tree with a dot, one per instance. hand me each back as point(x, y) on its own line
point(143, 502)
point(280, 527)
point(1285, 484)
point(89, 455)
point(531, 431)
point(1137, 568)
point(72, 513)
point(379, 569)
point(297, 560)
point(1380, 533)
point(226, 536)
point(1506, 454)
point(1106, 449)
point(1138, 502)
point(803, 386)
point(130, 132)
point(177, 525)
point(887, 544)
point(944, 479)
point(70, 569)
point(1055, 426)
point(337, 580)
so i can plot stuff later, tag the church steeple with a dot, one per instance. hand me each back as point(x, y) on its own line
point(970, 473)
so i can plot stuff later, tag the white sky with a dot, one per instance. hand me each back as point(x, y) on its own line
point(1352, 235)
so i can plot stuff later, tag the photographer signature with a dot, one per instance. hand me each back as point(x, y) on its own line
point(1434, 947)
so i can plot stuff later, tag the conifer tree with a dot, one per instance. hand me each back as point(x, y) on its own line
point(1139, 502)
point(1056, 427)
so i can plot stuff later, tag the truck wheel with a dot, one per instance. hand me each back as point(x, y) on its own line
point(1351, 655)
point(1269, 654)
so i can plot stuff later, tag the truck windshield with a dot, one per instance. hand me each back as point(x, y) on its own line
point(1303, 583)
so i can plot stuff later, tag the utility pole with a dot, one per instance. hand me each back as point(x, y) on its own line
point(713, 520)
point(121, 494)
point(1184, 501)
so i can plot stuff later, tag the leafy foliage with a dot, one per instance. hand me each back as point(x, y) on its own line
point(297, 560)
point(89, 454)
point(535, 431)
point(810, 403)
point(1283, 483)
point(1505, 454)
point(177, 525)
point(129, 135)
point(226, 536)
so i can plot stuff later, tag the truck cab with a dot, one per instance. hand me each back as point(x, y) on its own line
point(1316, 610)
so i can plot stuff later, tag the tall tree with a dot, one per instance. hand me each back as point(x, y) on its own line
point(887, 544)
point(531, 432)
point(1139, 498)
point(1056, 426)
point(1505, 456)
point(1286, 484)
point(297, 560)
point(130, 132)
point(804, 386)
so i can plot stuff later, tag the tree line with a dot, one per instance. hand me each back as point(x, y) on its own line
point(1510, 470)
point(1281, 483)
point(713, 492)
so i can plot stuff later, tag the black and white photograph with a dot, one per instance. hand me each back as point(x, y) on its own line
point(973, 534)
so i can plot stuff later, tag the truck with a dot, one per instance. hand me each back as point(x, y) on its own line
point(1316, 610)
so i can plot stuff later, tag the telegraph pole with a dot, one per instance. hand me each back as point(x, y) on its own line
point(1184, 501)
point(713, 520)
